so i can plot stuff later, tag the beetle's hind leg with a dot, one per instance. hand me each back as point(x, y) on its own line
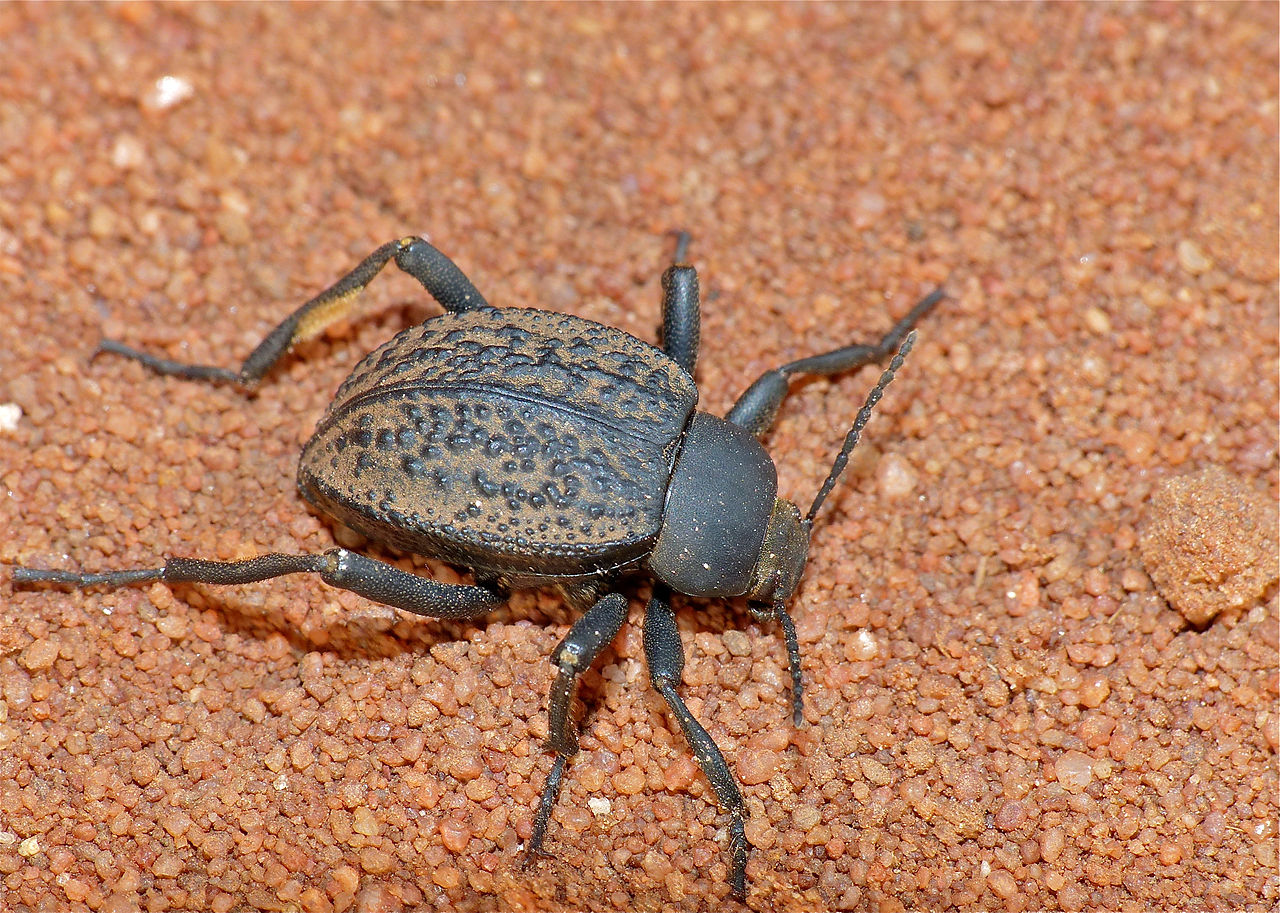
point(439, 275)
point(590, 634)
point(376, 580)
point(665, 655)
point(758, 406)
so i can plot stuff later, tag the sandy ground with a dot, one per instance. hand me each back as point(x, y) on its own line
point(1039, 677)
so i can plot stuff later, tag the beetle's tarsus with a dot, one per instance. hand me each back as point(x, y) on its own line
point(738, 851)
point(27, 576)
point(168, 367)
point(550, 792)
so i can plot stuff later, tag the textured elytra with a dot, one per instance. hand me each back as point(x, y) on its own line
point(517, 442)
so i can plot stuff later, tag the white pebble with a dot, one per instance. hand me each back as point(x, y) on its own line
point(863, 647)
point(10, 413)
point(895, 477)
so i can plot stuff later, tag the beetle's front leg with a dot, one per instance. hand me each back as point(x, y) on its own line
point(758, 405)
point(665, 656)
point(590, 634)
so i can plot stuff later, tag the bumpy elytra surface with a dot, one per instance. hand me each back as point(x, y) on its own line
point(516, 442)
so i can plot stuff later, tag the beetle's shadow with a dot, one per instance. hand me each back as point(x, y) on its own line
point(375, 631)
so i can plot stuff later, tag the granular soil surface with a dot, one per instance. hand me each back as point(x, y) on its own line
point(1004, 709)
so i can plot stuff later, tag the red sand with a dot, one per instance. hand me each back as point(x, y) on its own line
point(1003, 712)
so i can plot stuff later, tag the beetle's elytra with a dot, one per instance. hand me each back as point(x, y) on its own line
point(530, 444)
point(537, 449)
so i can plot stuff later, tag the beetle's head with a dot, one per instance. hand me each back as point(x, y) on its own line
point(782, 557)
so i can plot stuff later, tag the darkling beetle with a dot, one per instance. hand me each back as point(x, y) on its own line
point(538, 449)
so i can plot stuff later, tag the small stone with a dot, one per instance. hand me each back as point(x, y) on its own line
point(1010, 816)
point(737, 643)
point(920, 755)
point(173, 627)
point(971, 42)
point(301, 756)
point(806, 818)
point(1052, 843)
point(630, 781)
point(167, 866)
point(376, 861)
point(166, 92)
point(454, 835)
point(364, 822)
point(895, 477)
point(1210, 543)
point(1097, 321)
point(128, 152)
point(144, 768)
point(758, 765)
point(39, 656)
point(1191, 258)
point(1002, 883)
point(1071, 897)
point(1074, 770)
point(1094, 690)
point(875, 772)
point(861, 647)
point(10, 415)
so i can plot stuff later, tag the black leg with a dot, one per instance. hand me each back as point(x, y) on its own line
point(756, 408)
point(665, 656)
point(590, 634)
point(680, 309)
point(438, 274)
point(375, 580)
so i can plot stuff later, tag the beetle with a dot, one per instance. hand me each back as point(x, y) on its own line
point(538, 449)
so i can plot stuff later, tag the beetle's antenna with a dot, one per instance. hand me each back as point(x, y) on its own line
point(793, 659)
point(851, 439)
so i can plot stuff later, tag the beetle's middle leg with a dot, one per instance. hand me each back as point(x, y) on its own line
point(439, 275)
point(681, 314)
point(758, 406)
point(590, 634)
point(665, 656)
